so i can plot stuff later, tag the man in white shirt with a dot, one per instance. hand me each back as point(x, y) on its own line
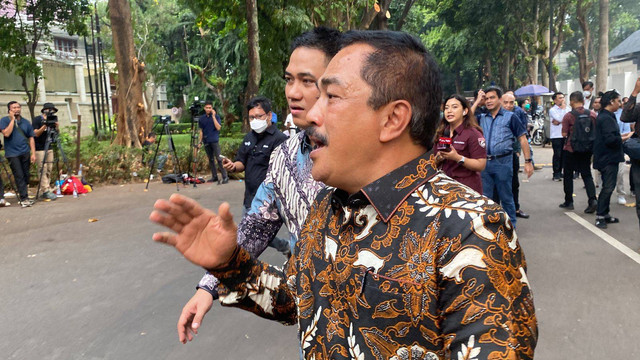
point(556, 113)
point(587, 92)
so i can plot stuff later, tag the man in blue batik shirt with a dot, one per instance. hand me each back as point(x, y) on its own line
point(288, 190)
point(501, 129)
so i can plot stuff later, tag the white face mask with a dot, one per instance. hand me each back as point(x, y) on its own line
point(586, 93)
point(258, 125)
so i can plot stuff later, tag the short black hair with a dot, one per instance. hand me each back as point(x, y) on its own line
point(11, 103)
point(261, 101)
point(401, 68)
point(496, 89)
point(576, 96)
point(521, 101)
point(208, 102)
point(608, 97)
point(322, 38)
point(587, 83)
point(555, 95)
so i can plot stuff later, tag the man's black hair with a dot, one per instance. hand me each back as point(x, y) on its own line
point(576, 96)
point(589, 83)
point(11, 103)
point(496, 89)
point(475, 93)
point(401, 68)
point(261, 101)
point(208, 102)
point(322, 38)
point(151, 134)
point(608, 97)
point(521, 101)
point(555, 95)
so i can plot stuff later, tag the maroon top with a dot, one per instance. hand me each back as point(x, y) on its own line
point(567, 125)
point(470, 143)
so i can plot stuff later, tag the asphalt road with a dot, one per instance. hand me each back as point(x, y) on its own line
point(74, 289)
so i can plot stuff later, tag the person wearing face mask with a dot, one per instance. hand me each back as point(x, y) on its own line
point(587, 92)
point(257, 146)
point(466, 156)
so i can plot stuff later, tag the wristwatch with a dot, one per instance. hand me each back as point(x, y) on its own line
point(461, 161)
point(528, 160)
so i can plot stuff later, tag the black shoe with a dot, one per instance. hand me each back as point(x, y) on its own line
point(611, 220)
point(601, 223)
point(591, 208)
point(566, 205)
point(225, 181)
point(522, 214)
point(213, 180)
point(576, 175)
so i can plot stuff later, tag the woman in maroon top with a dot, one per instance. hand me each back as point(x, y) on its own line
point(467, 156)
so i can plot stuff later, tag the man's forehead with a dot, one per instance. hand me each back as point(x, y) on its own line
point(307, 61)
point(346, 64)
point(257, 109)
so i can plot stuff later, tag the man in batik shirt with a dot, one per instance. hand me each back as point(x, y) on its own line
point(288, 190)
point(398, 260)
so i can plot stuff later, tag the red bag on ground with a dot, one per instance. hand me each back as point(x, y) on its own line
point(70, 183)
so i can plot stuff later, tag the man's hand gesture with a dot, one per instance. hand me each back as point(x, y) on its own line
point(203, 237)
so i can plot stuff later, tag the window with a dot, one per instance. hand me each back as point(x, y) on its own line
point(66, 45)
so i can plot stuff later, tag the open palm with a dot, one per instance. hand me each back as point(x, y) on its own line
point(205, 238)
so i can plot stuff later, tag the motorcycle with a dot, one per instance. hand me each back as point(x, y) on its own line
point(537, 129)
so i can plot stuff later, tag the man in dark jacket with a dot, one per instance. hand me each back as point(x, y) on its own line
point(607, 154)
point(631, 114)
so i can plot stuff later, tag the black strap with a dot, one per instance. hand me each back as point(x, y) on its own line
point(21, 132)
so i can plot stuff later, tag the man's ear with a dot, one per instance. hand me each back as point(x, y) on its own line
point(395, 121)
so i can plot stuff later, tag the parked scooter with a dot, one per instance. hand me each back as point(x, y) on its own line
point(537, 129)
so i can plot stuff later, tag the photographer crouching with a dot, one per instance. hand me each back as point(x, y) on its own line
point(42, 125)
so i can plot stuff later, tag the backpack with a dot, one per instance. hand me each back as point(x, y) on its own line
point(583, 132)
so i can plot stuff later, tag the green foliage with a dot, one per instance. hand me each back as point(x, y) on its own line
point(25, 28)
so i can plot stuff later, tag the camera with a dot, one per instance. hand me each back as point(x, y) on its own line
point(196, 109)
point(51, 119)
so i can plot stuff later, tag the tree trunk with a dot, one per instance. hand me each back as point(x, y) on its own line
point(458, 82)
point(255, 72)
point(405, 13)
point(602, 69)
point(131, 111)
point(584, 63)
point(544, 59)
point(505, 69)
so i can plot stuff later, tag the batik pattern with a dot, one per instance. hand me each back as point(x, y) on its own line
point(283, 198)
point(414, 266)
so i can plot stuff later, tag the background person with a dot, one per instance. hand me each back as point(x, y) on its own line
point(556, 114)
point(20, 149)
point(41, 131)
point(467, 156)
point(631, 114)
point(209, 124)
point(509, 104)
point(607, 155)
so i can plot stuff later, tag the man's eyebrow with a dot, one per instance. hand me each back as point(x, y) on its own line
point(301, 74)
point(330, 81)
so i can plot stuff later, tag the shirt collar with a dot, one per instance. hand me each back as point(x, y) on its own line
point(458, 130)
point(387, 193)
point(305, 143)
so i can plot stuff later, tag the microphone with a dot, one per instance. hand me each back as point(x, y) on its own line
point(444, 141)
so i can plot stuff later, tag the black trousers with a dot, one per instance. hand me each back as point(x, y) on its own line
point(580, 162)
point(213, 153)
point(635, 181)
point(20, 167)
point(609, 179)
point(557, 145)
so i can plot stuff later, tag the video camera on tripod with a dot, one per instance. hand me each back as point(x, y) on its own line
point(197, 108)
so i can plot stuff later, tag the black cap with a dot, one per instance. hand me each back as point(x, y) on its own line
point(48, 106)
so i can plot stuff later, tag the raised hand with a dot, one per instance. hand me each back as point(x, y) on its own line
point(205, 238)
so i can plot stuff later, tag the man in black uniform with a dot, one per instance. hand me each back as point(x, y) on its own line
point(41, 131)
point(257, 146)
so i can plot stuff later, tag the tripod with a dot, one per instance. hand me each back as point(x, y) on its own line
point(171, 148)
point(53, 138)
point(193, 151)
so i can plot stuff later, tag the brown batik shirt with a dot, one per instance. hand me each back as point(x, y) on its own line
point(413, 266)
